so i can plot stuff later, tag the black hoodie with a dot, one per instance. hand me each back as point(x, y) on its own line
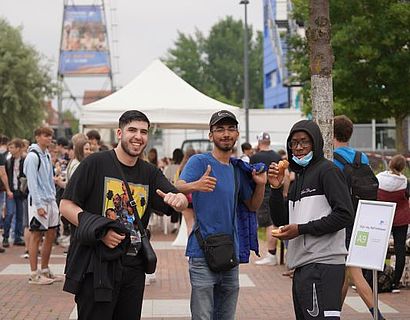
point(319, 202)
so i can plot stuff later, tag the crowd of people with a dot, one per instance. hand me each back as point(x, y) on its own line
point(308, 206)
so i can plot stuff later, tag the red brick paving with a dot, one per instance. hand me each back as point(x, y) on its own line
point(270, 299)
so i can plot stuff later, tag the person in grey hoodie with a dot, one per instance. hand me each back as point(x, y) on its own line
point(319, 210)
point(42, 206)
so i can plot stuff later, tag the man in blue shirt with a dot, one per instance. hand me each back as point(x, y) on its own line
point(343, 130)
point(211, 179)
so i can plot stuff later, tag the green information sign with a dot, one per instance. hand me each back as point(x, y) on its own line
point(361, 238)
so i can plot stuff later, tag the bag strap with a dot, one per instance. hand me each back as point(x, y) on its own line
point(357, 159)
point(339, 158)
point(197, 232)
point(198, 235)
point(132, 202)
point(38, 156)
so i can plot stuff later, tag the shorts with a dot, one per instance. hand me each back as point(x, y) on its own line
point(263, 214)
point(51, 220)
point(317, 291)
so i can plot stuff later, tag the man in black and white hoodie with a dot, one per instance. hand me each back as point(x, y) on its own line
point(319, 210)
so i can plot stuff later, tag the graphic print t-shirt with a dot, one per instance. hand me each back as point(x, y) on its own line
point(96, 186)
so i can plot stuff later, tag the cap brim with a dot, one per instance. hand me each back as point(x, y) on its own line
point(224, 118)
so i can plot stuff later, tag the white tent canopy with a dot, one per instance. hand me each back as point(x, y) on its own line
point(167, 100)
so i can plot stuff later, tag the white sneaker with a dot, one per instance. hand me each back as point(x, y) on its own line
point(269, 260)
point(39, 279)
point(49, 275)
point(152, 277)
point(147, 281)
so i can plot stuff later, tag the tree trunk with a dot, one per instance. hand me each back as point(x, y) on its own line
point(321, 61)
point(399, 119)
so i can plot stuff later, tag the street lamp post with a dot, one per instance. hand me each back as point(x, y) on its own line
point(246, 71)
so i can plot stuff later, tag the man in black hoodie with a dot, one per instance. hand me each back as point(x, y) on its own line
point(319, 210)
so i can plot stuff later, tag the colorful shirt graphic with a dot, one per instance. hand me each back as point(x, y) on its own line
point(116, 202)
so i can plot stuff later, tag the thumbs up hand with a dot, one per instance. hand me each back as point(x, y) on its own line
point(206, 183)
point(176, 200)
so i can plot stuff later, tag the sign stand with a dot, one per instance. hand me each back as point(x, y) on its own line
point(370, 239)
point(375, 297)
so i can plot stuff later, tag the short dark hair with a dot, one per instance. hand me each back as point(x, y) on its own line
point(18, 143)
point(132, 115)
point(62, 141)
point(4, 139)
point(246, 146)
point(43, 130)
point(177, 156)
point(342, 128)
point(93, 134)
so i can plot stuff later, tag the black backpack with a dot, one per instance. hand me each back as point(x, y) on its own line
point(360, 179)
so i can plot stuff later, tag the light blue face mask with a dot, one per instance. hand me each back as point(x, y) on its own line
point(303, 161)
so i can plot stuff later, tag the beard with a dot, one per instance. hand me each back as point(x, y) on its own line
point(225, 145)
point(127, 149)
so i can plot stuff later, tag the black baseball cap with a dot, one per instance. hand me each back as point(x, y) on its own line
point(220, 115)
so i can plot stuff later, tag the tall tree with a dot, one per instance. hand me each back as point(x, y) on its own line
point(321, 61)
point(372, 69)
point(371, 73)
point(185, 59)
point(214, 64)
point(24, 84)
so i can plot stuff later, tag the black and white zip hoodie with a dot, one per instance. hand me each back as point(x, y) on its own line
point(319, 202)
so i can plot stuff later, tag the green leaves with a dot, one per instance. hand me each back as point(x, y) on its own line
point(214, 64)
point(24, 84)
point(371, 43)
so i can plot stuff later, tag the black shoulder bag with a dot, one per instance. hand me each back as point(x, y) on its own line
point(150, 258)
point(219, 249)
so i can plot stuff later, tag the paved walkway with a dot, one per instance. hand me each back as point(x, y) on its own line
point(264, 293)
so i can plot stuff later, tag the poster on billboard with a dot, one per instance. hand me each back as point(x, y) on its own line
point(84, 45)
point(371, 234)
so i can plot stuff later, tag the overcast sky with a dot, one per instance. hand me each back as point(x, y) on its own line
point(146, 29)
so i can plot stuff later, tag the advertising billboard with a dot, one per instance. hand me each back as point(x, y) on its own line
point(84, 45)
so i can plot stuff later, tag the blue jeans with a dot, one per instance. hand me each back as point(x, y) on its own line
point(2, 203)
point(14, 208)
point(214, 295)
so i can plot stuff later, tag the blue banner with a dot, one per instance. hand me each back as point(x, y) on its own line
point(84, 62)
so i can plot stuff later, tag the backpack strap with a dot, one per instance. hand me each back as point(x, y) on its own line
point(38, 156)
point(339, 158)
point(357, 159)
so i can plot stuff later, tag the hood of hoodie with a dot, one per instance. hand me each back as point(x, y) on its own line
point(391, 182)
point(313, 130)
point(36, 147)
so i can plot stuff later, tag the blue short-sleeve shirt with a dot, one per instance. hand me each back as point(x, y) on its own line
point(214, 211)
point(348, 154)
